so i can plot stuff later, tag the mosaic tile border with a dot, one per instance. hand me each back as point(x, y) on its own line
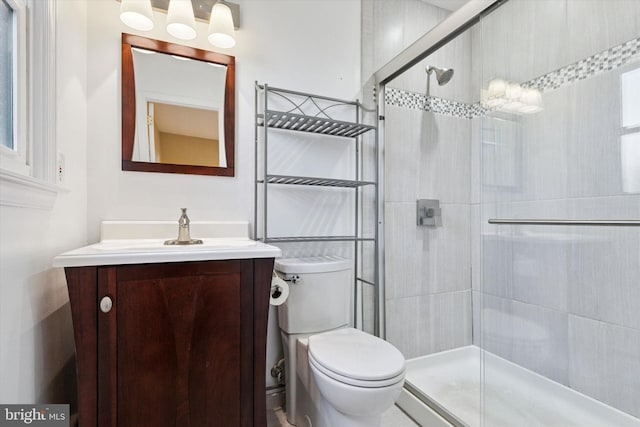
point(418, 101)
point(593, 65)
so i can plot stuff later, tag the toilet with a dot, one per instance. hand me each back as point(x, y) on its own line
point(335, 374)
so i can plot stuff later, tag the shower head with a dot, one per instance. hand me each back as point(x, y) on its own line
point(443, 75)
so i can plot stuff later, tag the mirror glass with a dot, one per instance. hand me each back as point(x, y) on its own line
point(177, 108)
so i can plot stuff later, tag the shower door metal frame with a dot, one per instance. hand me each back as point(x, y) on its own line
point(454, 25)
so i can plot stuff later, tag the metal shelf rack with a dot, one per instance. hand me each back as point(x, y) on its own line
point(321, 182)
point(302, 123)
point(316, 114)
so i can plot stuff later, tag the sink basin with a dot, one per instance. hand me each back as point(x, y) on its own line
point(119, 244)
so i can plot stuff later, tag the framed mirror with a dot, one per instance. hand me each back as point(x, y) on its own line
point(178, 108)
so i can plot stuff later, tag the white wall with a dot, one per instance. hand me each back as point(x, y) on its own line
point(36, 340)
point(283, 43)
point(308, 45)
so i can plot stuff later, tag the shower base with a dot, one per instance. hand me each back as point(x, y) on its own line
point(444, 390)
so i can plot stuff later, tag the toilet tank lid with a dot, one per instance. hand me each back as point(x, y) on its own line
point(317, 264)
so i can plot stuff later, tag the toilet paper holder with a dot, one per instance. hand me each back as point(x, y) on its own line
point(293, 278)
point(279, 290)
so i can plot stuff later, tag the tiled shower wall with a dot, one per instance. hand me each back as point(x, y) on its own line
point(562, 301)
point(427, 156)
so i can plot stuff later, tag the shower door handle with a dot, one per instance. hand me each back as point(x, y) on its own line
point(583, 222)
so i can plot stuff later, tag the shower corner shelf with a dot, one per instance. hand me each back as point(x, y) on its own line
point(315, 114)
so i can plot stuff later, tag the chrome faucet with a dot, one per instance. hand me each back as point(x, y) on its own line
point(184, 235)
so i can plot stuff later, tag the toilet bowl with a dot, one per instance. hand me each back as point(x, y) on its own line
point(336, 375)
point(358, 377)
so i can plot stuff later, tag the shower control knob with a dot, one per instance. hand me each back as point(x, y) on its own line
point(106, 304)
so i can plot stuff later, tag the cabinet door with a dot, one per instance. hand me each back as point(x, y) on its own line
point(176, 345)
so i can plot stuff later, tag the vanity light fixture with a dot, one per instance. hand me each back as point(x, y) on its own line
point(222, 16)
point(511, 98)
point(137, 14)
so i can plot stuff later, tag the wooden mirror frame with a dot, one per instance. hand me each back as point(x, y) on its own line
point(129, 106)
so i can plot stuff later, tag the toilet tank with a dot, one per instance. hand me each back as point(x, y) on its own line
point(321, 297)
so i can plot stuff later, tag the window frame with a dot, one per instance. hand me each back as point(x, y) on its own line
point(28, 176)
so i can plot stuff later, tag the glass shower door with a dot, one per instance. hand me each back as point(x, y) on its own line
point(557, 313)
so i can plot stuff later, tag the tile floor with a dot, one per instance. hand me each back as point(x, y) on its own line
point(394, 417)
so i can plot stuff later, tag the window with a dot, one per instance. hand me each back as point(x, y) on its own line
point(13, 78)
point(6, 76)
point(630, 139)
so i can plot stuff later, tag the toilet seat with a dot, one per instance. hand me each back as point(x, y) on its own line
point(356, 358)
point(354, 382)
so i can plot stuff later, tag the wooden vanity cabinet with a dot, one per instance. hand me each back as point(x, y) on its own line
point(183, 344)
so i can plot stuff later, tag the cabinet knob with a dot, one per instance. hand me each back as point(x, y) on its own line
point(105, 304)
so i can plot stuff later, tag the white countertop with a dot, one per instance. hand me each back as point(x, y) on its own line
point(151, 248)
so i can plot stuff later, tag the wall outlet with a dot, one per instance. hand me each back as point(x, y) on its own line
point(60, 169)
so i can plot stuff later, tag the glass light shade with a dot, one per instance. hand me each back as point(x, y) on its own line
point(181, 23)
point(221, 32)
point(137, 14)
point(532, 100)
point(514, 91)
point(497, 88)
point(494, 96)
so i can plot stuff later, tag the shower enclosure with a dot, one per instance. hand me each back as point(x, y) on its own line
point(522, 307)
